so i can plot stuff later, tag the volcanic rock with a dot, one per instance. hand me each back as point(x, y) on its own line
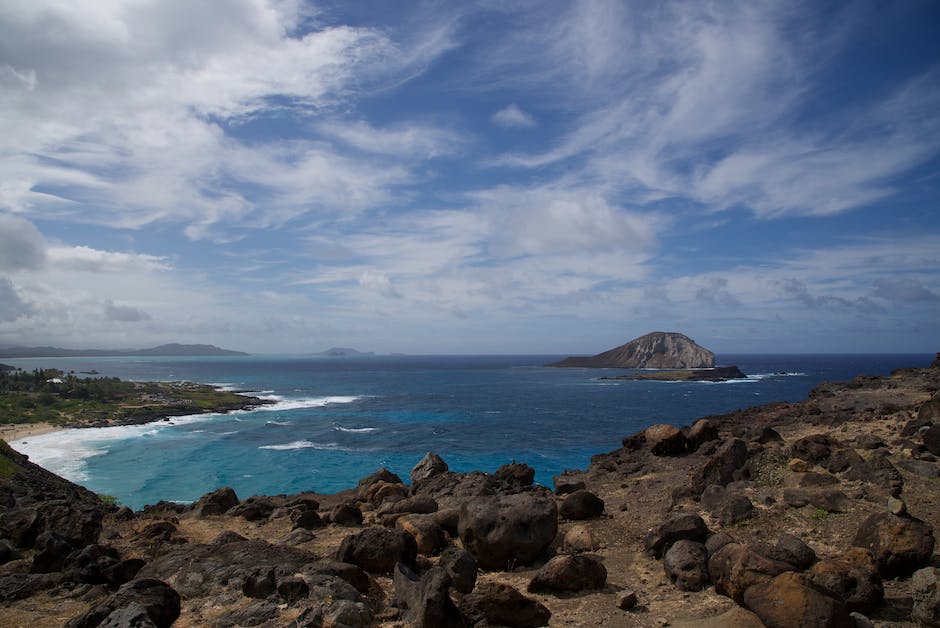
point(158, 600)
point(789, 600)
point(426, 600)
point(499, 604)
point(900, 545)
point(428, 467)
point(505, 530)
point(665, 440)
point(686, 525)
point(215, 503)
point(686, 565)
point(376, 550)
point(925, 589)
point(581, 505)
point(569, 573)
point(736, 567)
point(852, 577)
point(461, 566)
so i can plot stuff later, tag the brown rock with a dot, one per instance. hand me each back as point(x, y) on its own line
point(425, 600)
point(569, 573)
point(498, 604)
point(686, 565)
point(581, 505)
point(377, 550)
point(579, 539)
point(427, 468)
point(852, 577)
point(720, 468)
point(789, 601)
point(665, 440)
point(427, 532)
point(701, 432)
point(736, 567)
point(900, 545)
point(683, 525)
point(925, 590)
point(506, 530)
point(215, 503)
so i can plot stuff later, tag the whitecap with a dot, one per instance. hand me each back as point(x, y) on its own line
point(300, 444)
point(355, 430)
point(282, 403)
point(277, 423)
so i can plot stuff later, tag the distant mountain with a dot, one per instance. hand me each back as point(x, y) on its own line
point(336, 352)
point(659, 349)
point(172, 349)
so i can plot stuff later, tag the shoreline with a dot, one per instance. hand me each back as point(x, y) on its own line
point(10, 432)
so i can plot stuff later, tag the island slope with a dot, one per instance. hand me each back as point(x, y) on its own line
point(665, 350)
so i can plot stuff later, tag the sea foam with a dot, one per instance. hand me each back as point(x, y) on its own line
point(300, 444)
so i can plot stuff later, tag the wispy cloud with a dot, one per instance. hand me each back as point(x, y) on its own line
point(512, 116)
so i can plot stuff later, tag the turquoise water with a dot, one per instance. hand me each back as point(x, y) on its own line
point(338, 419)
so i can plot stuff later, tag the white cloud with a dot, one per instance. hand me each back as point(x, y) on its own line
point(124, 313)
point(21, 244)
point(410, 141)
point(88, 260)
point(513, 116)
point(12, 306)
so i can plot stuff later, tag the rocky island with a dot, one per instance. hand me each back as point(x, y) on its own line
point(658, 350)
point(817, 513)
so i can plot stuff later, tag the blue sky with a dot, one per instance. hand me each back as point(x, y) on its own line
point(470, 177)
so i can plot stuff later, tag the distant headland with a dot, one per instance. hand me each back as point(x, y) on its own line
point(659, 350)
point(339, 352)
point(172, 349)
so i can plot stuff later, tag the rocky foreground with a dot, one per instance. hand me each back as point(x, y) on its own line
point(819, 513)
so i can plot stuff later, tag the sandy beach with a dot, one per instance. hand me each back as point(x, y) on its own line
point(16, 432)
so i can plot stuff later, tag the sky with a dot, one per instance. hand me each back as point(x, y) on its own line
point(283, 176)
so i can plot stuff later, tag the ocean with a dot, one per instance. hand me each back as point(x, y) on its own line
point(336, 420)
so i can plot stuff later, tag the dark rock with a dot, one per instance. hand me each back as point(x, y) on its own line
point(228, 537)
point(515, 474)
point(626, 599)
point(686, 565)
point(20, 525)
point(581, 505)
point(461, 566)
point(841, 460)
point(769, 435)
point(564, 486)
point(578, 538)
point(683, 525)
point(22, 585)
point(795, 497)
point(900, 545)
point(133, 615)
point(813, 448)
point(852, 577)
point(160, 533)
point(713, 497)
point(721, 467)
point(569, 573)
point(665, 440)
point(351, 574)
point(428, 467)
point(811, 479)
point(255, 508)
point(7, 552)
point(419, 504)
point(199, 570)
point(95, 563)
point(123, 514)
point(297, 536)
point(736, 567)
point(77, 523)
point(830, 500)
point(163, 508)
point(788, 549)
point(507, 530)
point(53, 552)
point(878, 470)
point(160, 602)
point(929, 411)
point(788, 600)
point(427, 532)
point(922, 468)
point(124, 571)
point(449, 519)
point(499, 604)
point(701, 432)
point(260, 584)
point(868, 441)
point(426, 600)
point(925, 591)
point(717, 541)
point(346, 515)
point(293, 589)
point(376, 550)
point(734, 509)
point(381, 492)
point(260, 613)
point(306, 520)
point(215, 503)
point(383, 475)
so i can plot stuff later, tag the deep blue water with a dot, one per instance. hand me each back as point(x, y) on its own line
point(338, 419)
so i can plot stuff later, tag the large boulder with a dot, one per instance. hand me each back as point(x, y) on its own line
point(852, 577)
point(789, 549)
point(159, 602)
point(425, 600)
point(215, 503)
point(736, 567)
point(377, 550)
point(720, 468)
point(427, 532)
point(428, 467)
point(686, 565)
point(925, 590)
point(665, 440)
point(900, 545)
point(683, 525)
point(499, 604)
point(931, 438)
point(701, 432)
point(581, 505)
point(507, 530)
point(569, 573)
point(461, 566)
point(788, 600)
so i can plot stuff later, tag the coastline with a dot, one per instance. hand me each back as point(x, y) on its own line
point(10, 432)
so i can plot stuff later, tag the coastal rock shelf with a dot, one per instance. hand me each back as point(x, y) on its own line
point(821, 512)
point(717, 374)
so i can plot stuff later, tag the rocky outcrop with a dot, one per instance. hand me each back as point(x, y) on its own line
point(503, 531)
point(662, 350)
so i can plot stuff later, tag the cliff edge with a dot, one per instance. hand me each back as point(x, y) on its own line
point(659, 349)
